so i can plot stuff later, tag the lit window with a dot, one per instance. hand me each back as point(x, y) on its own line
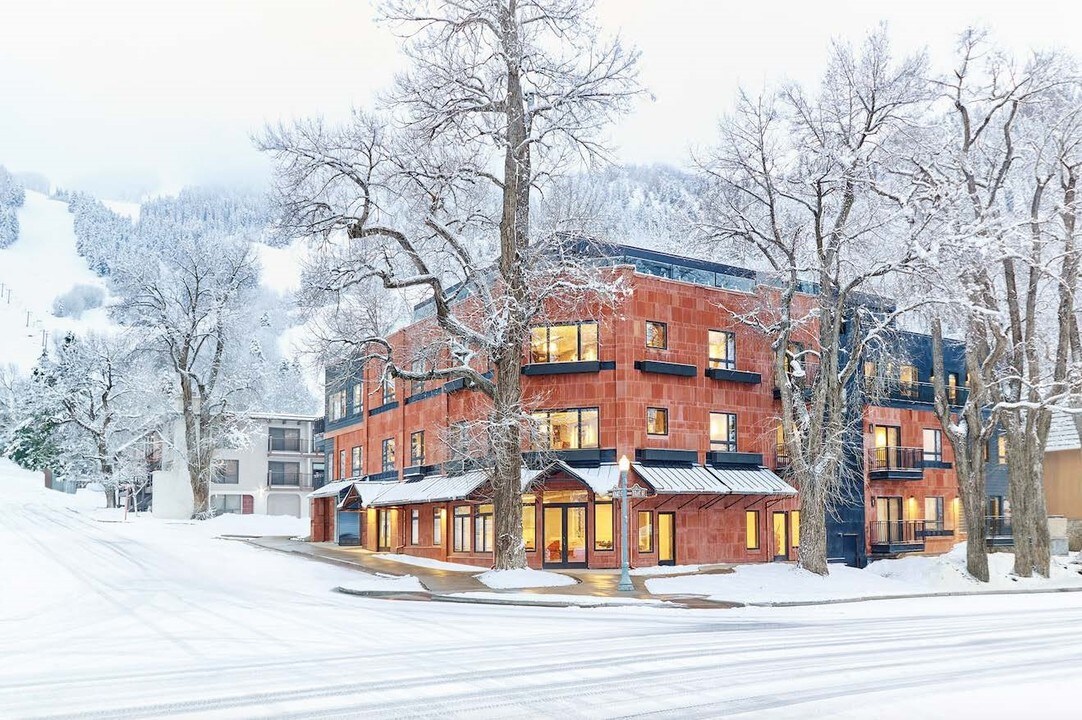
point(869, 369)
point(646, 531)
point(933, 513)
point(437, 526)
point(356, 461)
point(751, 521)
point(358, 399)
point(388, 455)
point(572, 342)
point(417, 448)
point(657, 421)
point(907, 380)
point(722, 350)
point(461, 530)
point(657, 335)
point(483, 529)
point(794, 530)
point(415, 527)
point(952, 388)
point(384, 539)
point(1001, 449)
point(529, 524)
point(933, 445)
point(603, 526)
point(723, 432)
point(567, 429)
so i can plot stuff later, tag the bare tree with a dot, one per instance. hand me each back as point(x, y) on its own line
point(809, 186)
point(431, 194)
point(187, 301)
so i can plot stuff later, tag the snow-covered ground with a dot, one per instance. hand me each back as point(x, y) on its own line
point(383, 583)
point(39, 266)
point(779, 582)
point(524, 578)
point(153, 619)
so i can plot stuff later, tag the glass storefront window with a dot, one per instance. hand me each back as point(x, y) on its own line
point(603, 533)
point(569, 342)
point(529, 524)
point(646, 531)
point(565, 496)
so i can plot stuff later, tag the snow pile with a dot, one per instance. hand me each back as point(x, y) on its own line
point(428, 562)
point(524, 578)
point(255, 525)
point(19, 485)
point(779, 583)
point(947, 573)
point(651, 570)
point(383, 583)
point(526, 598)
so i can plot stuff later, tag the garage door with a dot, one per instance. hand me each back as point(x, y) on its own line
point(281, 504)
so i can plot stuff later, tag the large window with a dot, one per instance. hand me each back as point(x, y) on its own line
point(387, 389)
point(723, 431)
point(460, 535)
point(603, 532)
point(483, 529)
point(1001, 449)
point(567, 429)
point(284, 439)
point(933, 513)
point(571, 342)
point(227, 504)
point(336, 405)
point(794, 527)
point(343, 471)
point(384, 539)
point(283, 473)
point(417, 448)
point(358, 399)
point(657, 421)
point(437, 526)
point(907, 381)
point(356, 461)
point(388, 455)
point(415, 527)
point(933, 445)
point(751, 532)
point(646, 531)
point(529, 522)
point(722, 350)
point(657, 335)
point(419, 365)
point(227, 472)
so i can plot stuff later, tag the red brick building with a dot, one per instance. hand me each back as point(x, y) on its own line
point(668, 378)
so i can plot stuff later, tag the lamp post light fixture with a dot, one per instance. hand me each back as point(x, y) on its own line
point(625, 551)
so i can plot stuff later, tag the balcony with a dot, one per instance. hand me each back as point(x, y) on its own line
point(289, 446)
point(290, 481)
point(781, 460)
point(890, 537)
point(895, 463)
point(881, 389)
point(998, 531)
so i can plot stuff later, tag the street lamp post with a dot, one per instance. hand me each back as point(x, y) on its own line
point(625, 551)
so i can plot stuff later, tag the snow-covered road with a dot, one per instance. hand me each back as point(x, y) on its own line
point(147, 619)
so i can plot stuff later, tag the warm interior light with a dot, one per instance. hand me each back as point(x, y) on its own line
point(625, 464)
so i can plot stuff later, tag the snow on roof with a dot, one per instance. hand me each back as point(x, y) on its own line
point(715, 481)
point(1062, 434)
point(434, 488)
point(330, 489)
point(602, 480)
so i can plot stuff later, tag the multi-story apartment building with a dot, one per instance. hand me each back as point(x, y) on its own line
point(271, 475)
point(671, 379)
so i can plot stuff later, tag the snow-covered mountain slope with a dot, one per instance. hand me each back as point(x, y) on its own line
point(39, 266)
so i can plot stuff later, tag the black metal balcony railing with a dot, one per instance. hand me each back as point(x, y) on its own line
point(878, 387)
point(290, 480)
point(898, 532)
point(289, 445)
point(893, 457)
point(998, 526)
point(781, 459)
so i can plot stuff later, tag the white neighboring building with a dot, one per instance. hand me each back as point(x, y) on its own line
point(272, 475)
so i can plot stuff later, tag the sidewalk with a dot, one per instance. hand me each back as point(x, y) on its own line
point(595, 583)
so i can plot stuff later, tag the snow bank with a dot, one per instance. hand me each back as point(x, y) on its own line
point(779, 583)
point(255, 525)
point(666, 570)
point(523, 578)
point(384, 583)
point(428, 563)
point(947, 573)
point(577, 600)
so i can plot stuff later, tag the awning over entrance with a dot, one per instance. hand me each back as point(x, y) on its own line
point(363, 493)
point(700, 479)
point(330, 489)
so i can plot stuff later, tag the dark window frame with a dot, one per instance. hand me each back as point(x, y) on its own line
point(724, 445)
point(460, 531)
point(578, 424)
point(415, 527)
point(937, 454)
point(356, 461)
point(612, 523)
point(664, 335)
point(415, 458)
point(665, 416)
point(578, 325)
point(638, 528)
point(730, 347)
point(388, 443)
point(221, 477)
point(758, 531)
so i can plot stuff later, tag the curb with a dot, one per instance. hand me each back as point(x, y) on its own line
point(519, 602)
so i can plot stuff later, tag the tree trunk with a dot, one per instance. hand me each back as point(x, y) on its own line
point(813, 531)
point(1021, 515)
point(510, 551)
point(194, 456)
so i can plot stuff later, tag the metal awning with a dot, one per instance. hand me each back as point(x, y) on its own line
point(362, 493)
point(753, 481)
point(683, 479)
point(330, 489)
point(700, 479)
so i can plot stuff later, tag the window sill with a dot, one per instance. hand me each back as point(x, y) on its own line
point(562, 368)
point(665, 368)
point(738, 376)
point(383, 408)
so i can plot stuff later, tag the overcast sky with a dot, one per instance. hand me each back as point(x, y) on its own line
point(160, 93)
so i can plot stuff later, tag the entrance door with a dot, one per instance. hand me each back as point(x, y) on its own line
point(666, 538)
point(781, 536)
point(383, 523)
point(565, 535)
